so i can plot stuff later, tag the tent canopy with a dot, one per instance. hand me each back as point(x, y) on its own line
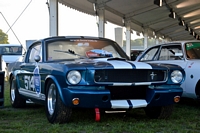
point(148, 15)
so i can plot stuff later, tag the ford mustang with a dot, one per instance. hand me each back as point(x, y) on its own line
point(67, 72)
point(183, 53)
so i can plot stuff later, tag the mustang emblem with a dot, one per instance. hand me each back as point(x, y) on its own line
point(152, 75)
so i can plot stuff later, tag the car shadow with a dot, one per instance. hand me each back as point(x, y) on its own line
point(190, 102)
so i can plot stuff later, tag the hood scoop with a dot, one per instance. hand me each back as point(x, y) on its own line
point(122, 59)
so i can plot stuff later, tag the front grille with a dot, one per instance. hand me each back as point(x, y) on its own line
point(129, 75)
point(128, 92)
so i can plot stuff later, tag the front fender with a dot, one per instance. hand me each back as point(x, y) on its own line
point(50, 77)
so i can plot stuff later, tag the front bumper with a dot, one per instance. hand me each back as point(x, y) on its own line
point(161, 96)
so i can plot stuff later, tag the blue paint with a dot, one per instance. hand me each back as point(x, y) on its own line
point(37, 80)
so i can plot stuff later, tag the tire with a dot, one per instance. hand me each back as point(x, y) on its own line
point(56, 111)
point(15, 98)
point(160, 112)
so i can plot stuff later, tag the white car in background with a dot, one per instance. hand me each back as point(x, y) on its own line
point(9, 53)
point(183, 53)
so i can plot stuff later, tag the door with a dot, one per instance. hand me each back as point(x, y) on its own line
point(29, 76)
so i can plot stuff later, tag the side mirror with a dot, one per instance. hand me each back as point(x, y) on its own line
point(37, 58)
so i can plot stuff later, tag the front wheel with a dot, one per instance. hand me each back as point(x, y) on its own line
point(16, 100)
point(160, 112)
point(56, 111)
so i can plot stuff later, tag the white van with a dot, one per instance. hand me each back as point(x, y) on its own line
point(9, 53)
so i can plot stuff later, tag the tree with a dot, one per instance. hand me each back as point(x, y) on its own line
point(3, 37)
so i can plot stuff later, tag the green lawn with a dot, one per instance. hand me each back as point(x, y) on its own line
point(32, 119)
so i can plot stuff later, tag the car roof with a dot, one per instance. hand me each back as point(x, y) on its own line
point(71, 37)
point(74, 37)
point(173, 42)
point(182, 42)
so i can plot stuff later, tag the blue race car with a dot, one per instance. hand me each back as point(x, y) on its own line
point(67, 72)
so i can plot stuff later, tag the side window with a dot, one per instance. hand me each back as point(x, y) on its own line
point(150, 54)
point(173, 52)
point(164, 54)
point(35, 50)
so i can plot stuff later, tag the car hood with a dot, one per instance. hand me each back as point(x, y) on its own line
point(10, 58)
point(175, 63)
point(115, 63)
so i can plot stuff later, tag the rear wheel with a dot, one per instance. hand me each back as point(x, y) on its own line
point(56, 111)
point(160, 112)
point(16, 100)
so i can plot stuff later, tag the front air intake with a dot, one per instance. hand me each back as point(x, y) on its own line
point(129, 75)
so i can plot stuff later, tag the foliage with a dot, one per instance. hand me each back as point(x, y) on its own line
point(3, 37)
point(139, 43)
point(32, 119)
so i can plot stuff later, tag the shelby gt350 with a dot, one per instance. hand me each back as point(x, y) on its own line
point(69, 72)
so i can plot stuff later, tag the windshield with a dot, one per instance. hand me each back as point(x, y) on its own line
point(82, 48)
point(193, 50)
point(10, 50)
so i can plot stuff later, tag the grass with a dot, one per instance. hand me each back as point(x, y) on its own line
point(32, 119)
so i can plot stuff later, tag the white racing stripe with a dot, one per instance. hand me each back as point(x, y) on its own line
point(139, 103)
point(123, 104)
point(141, 65)
point(119, 104)
point(120, 64)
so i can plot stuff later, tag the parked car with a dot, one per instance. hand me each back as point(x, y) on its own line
point(9, 53)
point(69, 72)
point(135, 53)
point(183, 53)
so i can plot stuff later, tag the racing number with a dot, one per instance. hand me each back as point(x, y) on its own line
point(29, 83)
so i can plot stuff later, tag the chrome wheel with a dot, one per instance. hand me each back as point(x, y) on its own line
point(16, 100)
point(12, 92)
point(51, 99)
point(56, 111)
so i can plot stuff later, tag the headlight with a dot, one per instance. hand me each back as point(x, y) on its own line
point(74, 77)
point(176, 76)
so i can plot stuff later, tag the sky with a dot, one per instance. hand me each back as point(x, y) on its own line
point(29, 20)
